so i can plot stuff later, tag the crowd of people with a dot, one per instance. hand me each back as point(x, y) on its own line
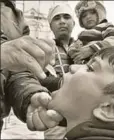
point(78, 102)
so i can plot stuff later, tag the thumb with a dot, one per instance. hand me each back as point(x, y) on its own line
point(44, 99)
point(55, 116)
point(40, 99)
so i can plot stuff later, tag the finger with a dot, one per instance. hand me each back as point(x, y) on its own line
point(78, 62)
point(34, 100)
point(37, 122)
point(71, 52)
point(77, 58)
point(32, 65)
point(55, 116)
point(47, 49)
point(29, 122)
point(51, 43)
point(22, 61)
point(51, 70)
point(35, 51)
point(47, 120)
point(38, 99)
point(44, 98)
point(74, 54)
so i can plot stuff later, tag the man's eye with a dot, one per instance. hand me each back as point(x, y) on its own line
point(67, 16)
point(90, 68)
point(56, 17)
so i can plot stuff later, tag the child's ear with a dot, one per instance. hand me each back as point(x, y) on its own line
point(105, 112)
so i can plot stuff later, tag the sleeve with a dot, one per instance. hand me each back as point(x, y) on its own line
point(108, 39)
point(51, 83)
point(4, 105)
point(19, 89)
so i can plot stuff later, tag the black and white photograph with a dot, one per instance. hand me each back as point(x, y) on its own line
point(57, 70)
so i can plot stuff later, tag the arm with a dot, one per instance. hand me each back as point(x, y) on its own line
point(108, 39)
point(19, 89)
point(30, 101)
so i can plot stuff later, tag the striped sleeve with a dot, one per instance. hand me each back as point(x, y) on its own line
point(108, 39)
point(108, 32)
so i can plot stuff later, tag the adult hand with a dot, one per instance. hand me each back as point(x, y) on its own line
point(82, 53)
point(26, 54)
point(38, 116)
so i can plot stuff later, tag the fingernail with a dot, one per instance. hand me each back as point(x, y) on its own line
point(52, 62)
point(51, 112)
point(43, 75)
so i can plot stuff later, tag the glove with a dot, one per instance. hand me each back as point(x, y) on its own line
point(27, 54)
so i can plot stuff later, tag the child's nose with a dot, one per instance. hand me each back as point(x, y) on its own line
point(88, 16)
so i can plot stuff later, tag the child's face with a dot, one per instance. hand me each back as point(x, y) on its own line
point(82, 90)
point(89, 19)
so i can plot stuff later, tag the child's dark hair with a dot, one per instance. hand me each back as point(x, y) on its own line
point(106, 53)
point(109, 54)
point(10, 3)
point(109, 89)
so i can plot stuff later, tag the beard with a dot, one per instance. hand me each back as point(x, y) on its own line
point(64, 36)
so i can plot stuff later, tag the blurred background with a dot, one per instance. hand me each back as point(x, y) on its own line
point(35, 13)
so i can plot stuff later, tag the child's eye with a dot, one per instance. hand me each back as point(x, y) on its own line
point(84, 15)
point(93, 12)
point(90, 68)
